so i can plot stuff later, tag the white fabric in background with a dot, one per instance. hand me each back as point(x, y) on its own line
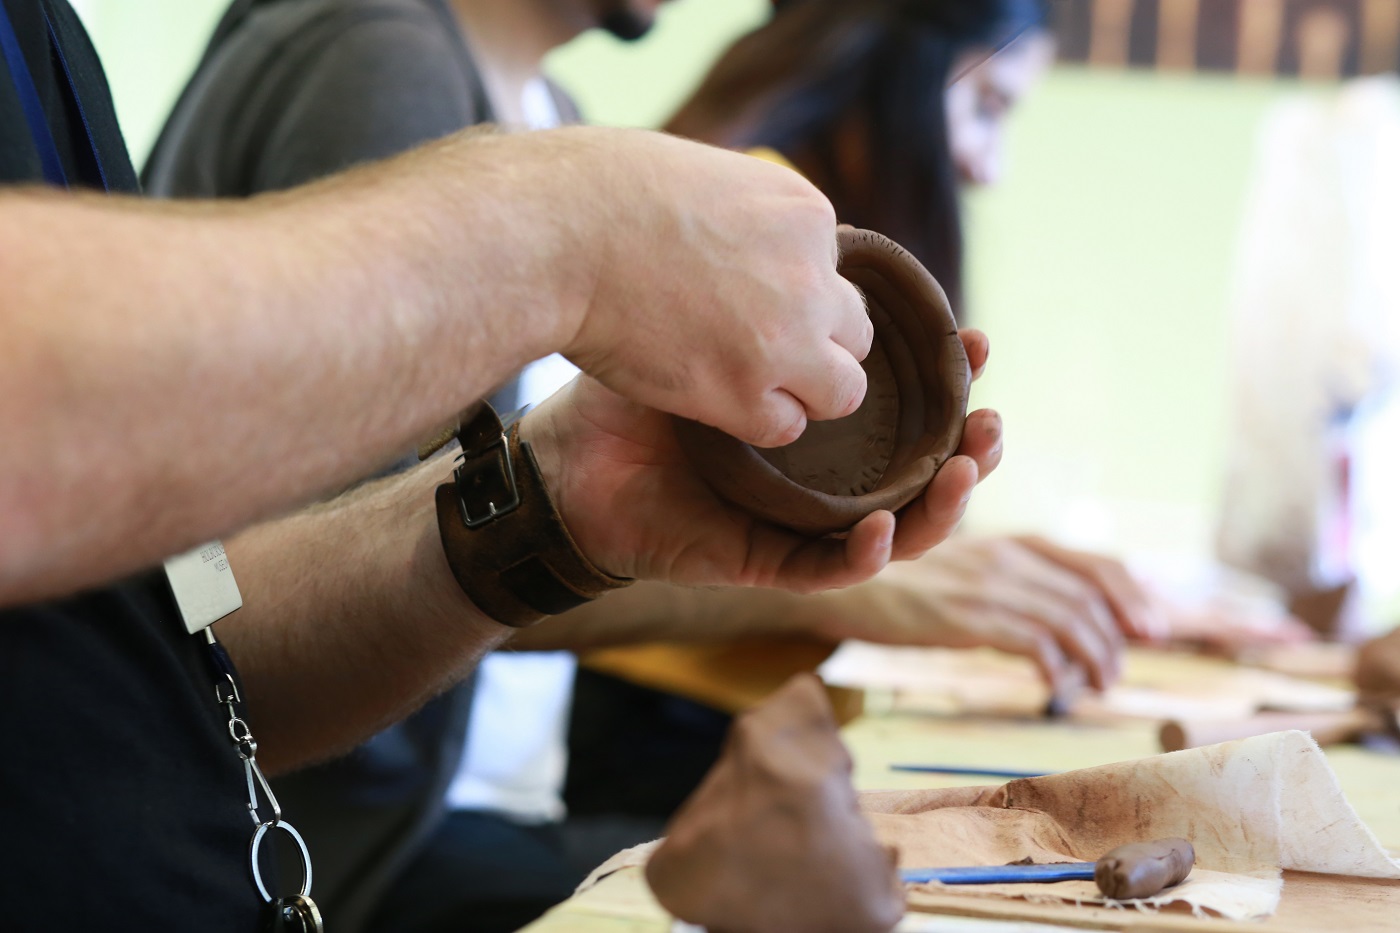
point(543, 378)
point(538, 105)
point(516, 750)
point(1316, 321)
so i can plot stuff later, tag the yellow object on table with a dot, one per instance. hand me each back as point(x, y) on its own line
point(730, 676)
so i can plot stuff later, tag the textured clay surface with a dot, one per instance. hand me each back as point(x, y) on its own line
point(849, 456)
point(1144, 869)
point(886, 452)
point(773, 840)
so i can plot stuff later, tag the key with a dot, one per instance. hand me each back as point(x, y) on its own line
point(294, 914)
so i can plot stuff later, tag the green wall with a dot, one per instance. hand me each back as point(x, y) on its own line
point(1100, 268)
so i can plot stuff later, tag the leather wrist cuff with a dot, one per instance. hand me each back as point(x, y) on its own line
point(505, 541)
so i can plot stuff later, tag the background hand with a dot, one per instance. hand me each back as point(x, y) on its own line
point(1011, 594)
point(1229, 630)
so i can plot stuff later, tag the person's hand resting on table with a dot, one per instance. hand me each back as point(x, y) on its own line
point(1067, 611)
point(1071, 612)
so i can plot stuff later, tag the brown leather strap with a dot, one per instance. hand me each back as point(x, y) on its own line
point(505, 541)
point(449, 431)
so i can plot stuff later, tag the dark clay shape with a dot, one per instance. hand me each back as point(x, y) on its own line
point(1377, 673)
point(773, 840)
point(1144, 869)
point(886, 452)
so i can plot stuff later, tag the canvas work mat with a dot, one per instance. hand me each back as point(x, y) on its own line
point(1156, 685)
point(1251, 808)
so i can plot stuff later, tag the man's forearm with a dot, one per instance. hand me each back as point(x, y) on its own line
point(172, 372)
point(351, 619)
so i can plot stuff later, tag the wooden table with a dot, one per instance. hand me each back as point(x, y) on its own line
point(622, 903)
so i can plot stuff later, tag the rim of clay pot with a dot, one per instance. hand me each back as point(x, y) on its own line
point(916, 333)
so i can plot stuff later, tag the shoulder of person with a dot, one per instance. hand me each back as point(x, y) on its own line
point(363, 41)
point(292, 20)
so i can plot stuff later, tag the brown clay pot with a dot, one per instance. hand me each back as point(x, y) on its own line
point(886, 452)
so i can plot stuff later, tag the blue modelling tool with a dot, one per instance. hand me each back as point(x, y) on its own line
point(978, 772)
point(1001, 874)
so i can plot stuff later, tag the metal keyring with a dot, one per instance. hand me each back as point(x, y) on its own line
point(256, 845)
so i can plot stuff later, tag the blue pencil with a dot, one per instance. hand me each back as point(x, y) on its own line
point(1001, 874)
point(979, 772)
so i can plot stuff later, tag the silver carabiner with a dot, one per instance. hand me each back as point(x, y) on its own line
point(251, 771)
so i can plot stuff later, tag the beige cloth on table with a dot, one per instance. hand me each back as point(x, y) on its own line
point(1157, 685)
point(1251, 808)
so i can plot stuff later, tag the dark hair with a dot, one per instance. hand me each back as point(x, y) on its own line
point(851, 92)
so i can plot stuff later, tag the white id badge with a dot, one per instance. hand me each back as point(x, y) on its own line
point(204, 587)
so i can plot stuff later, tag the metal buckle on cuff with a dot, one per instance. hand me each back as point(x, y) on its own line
point(475, 467)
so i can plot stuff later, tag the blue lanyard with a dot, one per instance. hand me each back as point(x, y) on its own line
point(34, 115)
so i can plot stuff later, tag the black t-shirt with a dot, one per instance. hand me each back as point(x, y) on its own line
point(19, 159)
point(124, 803)
point(293, 90)
point(123, 800)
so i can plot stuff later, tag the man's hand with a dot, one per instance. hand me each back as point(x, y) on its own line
point(1065, 610)
point(637, 509)
point(714, 292)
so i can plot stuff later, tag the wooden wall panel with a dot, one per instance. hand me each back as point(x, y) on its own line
point(1318, 39)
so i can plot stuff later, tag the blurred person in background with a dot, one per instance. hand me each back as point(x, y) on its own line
point(889, 108)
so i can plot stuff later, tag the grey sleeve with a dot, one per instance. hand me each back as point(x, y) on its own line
point(370, 89)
